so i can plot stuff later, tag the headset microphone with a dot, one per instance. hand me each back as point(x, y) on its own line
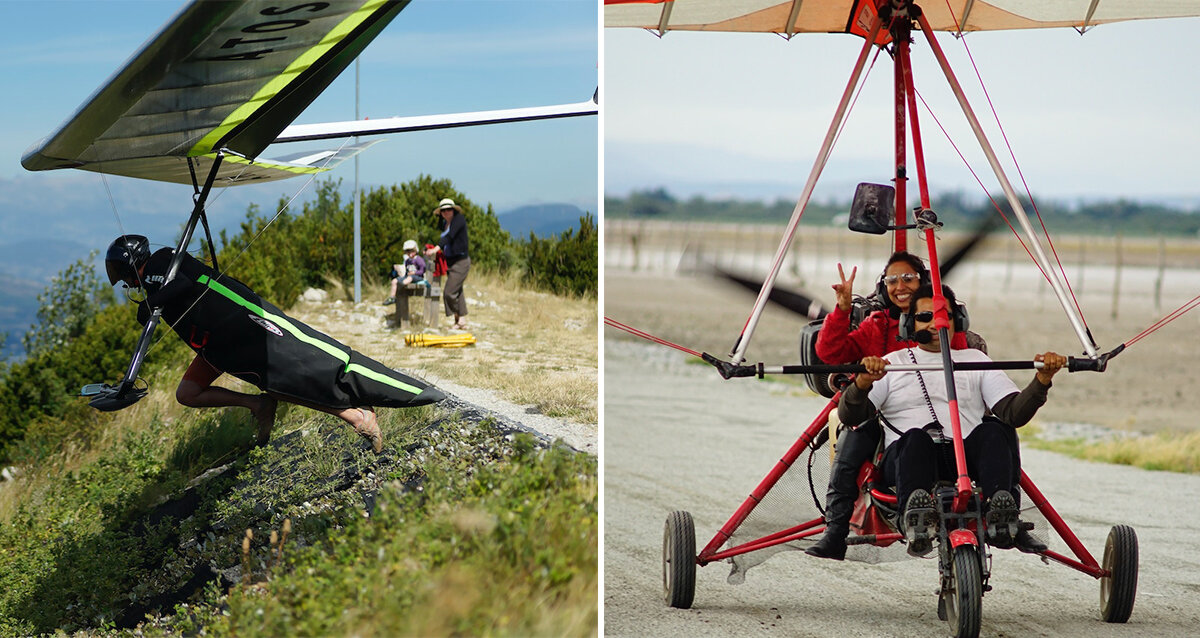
point(922, 336)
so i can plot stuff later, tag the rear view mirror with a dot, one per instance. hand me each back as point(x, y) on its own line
point(92, 389)
point(873, 209)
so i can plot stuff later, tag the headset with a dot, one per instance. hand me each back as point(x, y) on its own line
point(958, 314)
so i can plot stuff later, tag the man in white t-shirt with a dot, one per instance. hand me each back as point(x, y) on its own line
point(914, 409)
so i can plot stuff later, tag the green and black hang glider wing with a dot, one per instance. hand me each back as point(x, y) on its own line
point(222, 75)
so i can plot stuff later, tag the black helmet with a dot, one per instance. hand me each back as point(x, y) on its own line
point(126, 255)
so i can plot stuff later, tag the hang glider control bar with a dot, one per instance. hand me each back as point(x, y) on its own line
point(730, 370)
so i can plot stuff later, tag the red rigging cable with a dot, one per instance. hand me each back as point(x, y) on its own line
point(1172, 316)
point(861, 85)
point(649, 337)
point(1024, 183)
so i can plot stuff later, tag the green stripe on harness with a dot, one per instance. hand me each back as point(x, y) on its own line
point(284, 324)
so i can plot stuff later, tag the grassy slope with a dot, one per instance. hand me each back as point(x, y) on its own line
point(457, 528)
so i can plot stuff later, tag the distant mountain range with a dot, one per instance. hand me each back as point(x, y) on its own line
point(543, 220)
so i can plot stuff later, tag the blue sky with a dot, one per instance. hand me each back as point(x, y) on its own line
point(1111, 113)
point(435, 57)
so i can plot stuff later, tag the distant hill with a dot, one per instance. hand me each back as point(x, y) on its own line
point(542, 220)
point(18, 310)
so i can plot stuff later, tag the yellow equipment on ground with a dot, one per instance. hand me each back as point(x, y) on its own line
point(422, 340)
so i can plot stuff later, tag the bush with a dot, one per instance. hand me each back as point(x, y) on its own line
point(67, 306)
point(565, 264)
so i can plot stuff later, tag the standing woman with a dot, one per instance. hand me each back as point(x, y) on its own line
point(453, 246)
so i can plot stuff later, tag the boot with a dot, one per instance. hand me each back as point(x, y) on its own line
point(1028, 543)
point(839, 505)
point(832, 544)
point(1002, 520)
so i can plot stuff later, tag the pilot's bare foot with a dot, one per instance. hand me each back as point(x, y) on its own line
point(264, 414)
point(368, 429)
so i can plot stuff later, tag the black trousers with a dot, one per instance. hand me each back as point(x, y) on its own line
point(917, 462)
point(856, 445)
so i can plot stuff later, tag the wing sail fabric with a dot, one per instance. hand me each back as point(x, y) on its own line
point(844, 16)
point(221, 75)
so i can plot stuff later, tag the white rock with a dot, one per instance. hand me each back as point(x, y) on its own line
point(314, 295)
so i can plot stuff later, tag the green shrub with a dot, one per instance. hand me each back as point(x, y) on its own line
point(565, 264)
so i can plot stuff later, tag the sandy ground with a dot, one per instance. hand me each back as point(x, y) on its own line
point(677, 437)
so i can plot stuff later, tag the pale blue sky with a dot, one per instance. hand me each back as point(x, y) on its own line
point(1112, 113)
point(435, 57)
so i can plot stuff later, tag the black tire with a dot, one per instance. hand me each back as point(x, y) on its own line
point(1119, 588)
point(679, 560)
point(963, 604)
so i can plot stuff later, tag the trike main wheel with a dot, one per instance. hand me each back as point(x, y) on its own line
point(679, 560)
point(1118, 589)
point(962, 598)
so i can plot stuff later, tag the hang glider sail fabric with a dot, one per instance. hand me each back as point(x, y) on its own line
point(847, 16)
point(221, 75)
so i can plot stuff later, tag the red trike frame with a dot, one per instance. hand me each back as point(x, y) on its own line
point(1085, 563)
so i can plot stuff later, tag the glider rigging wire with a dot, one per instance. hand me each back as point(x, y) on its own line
point(649, 337)
point(1020, 173)
point(1172, 316)
point(979, 181)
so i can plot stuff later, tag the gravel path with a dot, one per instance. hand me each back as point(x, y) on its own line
point(580, 436)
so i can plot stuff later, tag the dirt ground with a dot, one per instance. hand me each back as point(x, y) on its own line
point(677, 437)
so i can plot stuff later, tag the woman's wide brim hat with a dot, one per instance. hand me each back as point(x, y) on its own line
point(447, 203)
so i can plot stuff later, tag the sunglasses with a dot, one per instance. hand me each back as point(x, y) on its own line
point(908, 278)
point(924, 317)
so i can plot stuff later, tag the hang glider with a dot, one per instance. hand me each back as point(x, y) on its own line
point(853, 16)
point(230, 77)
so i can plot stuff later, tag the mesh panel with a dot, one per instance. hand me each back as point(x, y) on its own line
point(798, 497)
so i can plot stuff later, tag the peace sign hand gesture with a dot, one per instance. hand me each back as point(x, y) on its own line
point(845, 289)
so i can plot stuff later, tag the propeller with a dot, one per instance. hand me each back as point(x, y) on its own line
point(806, 305)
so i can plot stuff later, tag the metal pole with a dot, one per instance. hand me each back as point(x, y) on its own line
point(357, 216)
point(738, 354)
